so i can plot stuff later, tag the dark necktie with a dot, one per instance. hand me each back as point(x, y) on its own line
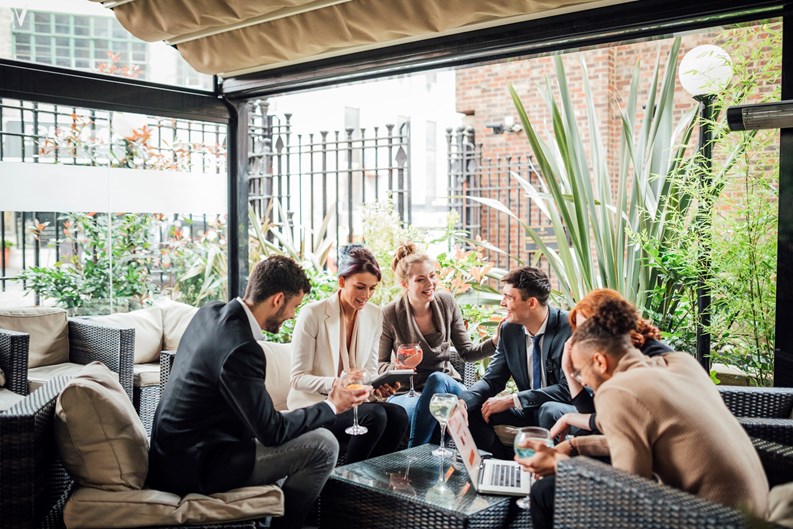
point(536, 362)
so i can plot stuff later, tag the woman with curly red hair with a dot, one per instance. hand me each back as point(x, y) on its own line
point(645, 337)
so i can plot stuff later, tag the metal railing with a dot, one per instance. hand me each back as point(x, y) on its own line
point(313, 175)
point(474, 175)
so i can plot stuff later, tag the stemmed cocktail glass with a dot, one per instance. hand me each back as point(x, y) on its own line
point(410, 355)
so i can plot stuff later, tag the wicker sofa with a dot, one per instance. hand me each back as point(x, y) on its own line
point(766, 413)
point(155, 329)
point(59, 346)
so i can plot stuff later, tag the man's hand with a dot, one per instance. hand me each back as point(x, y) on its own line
point(567, 361)
point(543, 462)
point(496, 405)
point(386, 390)
point(344, 398)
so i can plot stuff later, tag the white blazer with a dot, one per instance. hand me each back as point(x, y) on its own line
point(315, 349)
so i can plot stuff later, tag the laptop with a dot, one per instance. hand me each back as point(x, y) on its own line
point(488, 476)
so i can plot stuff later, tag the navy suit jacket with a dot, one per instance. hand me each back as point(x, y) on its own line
point(510, 360)
point(215, 405)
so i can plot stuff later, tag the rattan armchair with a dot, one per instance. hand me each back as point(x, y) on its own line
point(88, 341)
point(33, 481)
point(765, 413)
point(14, 360)
point(592, 495)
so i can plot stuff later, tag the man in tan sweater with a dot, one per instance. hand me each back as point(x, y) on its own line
point(660, 415)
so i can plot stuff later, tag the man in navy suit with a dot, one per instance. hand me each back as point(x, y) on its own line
point(216, 427)
point(530, 351)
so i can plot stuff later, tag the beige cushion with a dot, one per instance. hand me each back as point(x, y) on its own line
point(780, 505)
point(90, 508)
point(146, 375)
point(98, 435)
point(505, 433)
point(8, 398)
point(48, 330)
point(2, 378)
point(175, 317)
point(148, 331)
point(38, 376)
point(278, 357)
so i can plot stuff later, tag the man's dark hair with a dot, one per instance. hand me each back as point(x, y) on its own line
point(531, 281)
point(276, 274)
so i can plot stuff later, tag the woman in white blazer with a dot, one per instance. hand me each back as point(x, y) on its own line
point(339, 333)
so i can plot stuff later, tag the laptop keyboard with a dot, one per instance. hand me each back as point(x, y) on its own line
point(505, 475)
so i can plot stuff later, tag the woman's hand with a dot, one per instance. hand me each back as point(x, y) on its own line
point(567, 361)
point(562, 426)
point(496, 337)
point(386, 390)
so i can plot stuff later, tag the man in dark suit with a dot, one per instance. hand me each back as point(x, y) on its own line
point(216, 429)
point(530, 351)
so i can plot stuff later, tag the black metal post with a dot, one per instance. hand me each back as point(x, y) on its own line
point(783, 348)
point(237, 168)
point(704, 160)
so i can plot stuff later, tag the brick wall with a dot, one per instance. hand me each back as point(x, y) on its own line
point(482, 95)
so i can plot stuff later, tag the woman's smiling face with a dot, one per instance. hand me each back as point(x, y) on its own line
point(421, 282)
point(355, 290)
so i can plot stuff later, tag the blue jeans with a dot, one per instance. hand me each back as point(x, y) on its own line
point(422, 423)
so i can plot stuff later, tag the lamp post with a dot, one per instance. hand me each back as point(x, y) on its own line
point(704, 72)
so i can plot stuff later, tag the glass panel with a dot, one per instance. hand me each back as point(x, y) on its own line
point(142, 207)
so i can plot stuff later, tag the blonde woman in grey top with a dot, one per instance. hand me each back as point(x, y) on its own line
point(432, 319)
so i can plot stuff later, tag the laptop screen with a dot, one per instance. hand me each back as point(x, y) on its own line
point(465, 445)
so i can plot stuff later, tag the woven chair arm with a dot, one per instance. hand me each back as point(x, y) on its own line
point(775, 430)
point(771, 403)
point(33, 478)
point(114, 347)
point(592, 495)
point(467, 370)
point(166, 363)
point(14, 350)
point(777, 460)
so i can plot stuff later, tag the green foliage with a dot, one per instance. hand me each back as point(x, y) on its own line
point(383, 233)
point(576, 194)
point(111, 257)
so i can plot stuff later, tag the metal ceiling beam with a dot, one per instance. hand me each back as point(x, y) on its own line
point(641, 19)
point(59, 86)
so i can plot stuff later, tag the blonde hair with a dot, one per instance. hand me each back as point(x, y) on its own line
point(406, 256)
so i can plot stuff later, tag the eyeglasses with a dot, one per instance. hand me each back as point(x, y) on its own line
point(578, 374)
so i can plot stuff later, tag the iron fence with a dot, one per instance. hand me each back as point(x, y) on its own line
point(473, 175)
point(326, 173)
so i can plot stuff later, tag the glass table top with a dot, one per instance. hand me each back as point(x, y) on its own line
point(418, 476)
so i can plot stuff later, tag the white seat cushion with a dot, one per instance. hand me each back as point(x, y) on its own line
point(90, 508)
point(175, 318)
point(38, 376)
point(8, 398)
point(148, 331)
point(146, 375)
point(278, 357)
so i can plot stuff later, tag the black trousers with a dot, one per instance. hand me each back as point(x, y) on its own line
point(542, 501)
point(387, 424)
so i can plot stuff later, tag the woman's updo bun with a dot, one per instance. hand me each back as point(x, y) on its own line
point(406, 256)
point(405, 249)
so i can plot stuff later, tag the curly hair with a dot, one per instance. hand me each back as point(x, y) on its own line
point(275, 274)
point(532, 281)
point(589, 305)
point(609, 328)
point(355, 259)
point(406, 256)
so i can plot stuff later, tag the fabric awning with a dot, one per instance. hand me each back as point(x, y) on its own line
point(235, 37)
